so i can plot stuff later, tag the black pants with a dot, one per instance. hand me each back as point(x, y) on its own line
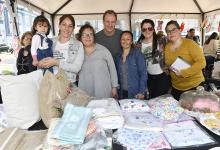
point(210, 60)
point(177, 93)
point(124, 94)
point(158, 84)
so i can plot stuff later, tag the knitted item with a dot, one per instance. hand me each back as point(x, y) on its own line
point(52, 88)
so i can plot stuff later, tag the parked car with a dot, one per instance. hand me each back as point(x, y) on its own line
point(5, 48)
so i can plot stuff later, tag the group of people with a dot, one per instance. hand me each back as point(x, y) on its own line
point(108, 63)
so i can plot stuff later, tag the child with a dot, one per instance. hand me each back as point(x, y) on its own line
point(41, 46)
point(24, 60)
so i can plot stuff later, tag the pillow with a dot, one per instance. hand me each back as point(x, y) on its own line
point(20, 98)
point(52, 88)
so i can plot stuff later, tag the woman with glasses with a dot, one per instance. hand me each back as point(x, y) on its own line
point(152, 48)
point(98, 76)
point(68, 53)
point(188, 52)
point(131, 71)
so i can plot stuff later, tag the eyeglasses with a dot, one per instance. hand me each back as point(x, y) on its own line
point(90, 35)
point(149, 29)
point(171, 31)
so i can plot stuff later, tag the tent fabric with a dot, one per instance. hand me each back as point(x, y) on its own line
point(123, 6)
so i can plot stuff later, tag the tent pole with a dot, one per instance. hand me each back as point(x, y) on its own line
point(131, 6)
point(53, 15)
point(202, 30)
point(52, 24)
point(15, 21)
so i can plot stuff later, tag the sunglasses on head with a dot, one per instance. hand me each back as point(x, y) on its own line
point(149, 29)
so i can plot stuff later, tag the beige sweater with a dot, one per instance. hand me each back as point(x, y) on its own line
point(211, 48)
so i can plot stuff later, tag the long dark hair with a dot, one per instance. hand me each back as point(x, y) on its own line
point(130, 33)
point(214, 35)
point(141, 38)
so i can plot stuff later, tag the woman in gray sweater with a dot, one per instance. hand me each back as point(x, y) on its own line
point(98, 76)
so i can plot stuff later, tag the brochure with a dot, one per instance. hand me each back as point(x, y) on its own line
point(180, 64)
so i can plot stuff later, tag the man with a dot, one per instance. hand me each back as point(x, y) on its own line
point(191, 35)
point(110, 36)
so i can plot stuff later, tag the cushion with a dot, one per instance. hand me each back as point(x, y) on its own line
point(20, 98)
point(52, 88)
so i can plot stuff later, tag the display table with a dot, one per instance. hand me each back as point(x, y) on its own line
point(116, 146)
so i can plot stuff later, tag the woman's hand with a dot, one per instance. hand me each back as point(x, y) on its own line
point(177, 72)
point(48, 62)
point(114, 93)
point(140, 96)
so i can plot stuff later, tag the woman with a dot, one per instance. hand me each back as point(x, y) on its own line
point(152, 48)
point(191, 77)
point(210, 48)
point(98, 76)
point(68, 53)
point(131, 68)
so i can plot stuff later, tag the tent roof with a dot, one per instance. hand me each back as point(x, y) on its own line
point(123, 6)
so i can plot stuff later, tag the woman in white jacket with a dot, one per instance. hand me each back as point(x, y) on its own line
point(68, 53)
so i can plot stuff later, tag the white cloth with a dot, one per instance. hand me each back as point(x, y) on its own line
point(107, 113)
point(134, 105)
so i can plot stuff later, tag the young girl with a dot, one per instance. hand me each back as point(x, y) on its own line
point(24, 60)
point(41, 46)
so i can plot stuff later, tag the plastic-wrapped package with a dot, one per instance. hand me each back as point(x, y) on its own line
point(186, 134)
point(165, 107)
point(140, 140)
point(96, 141)
point(199, 102)
point(107, 113)
point(134, 105)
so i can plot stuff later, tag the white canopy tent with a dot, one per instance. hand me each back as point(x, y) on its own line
point(125, 6)
point(128, 10)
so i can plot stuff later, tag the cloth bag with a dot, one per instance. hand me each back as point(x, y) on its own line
point(52, 88)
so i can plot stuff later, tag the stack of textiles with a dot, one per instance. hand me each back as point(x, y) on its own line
point(142, 121)
point(71, 128)
point(141, 140)
point(134, 105)
point(165, 108)
point(107, 113)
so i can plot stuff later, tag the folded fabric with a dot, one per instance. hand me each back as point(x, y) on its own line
point(165, 108)
point(142, 121)
point(91, 128)
point(107, 113)
point(141, 140)
point(134, 105)
point(73, 124)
